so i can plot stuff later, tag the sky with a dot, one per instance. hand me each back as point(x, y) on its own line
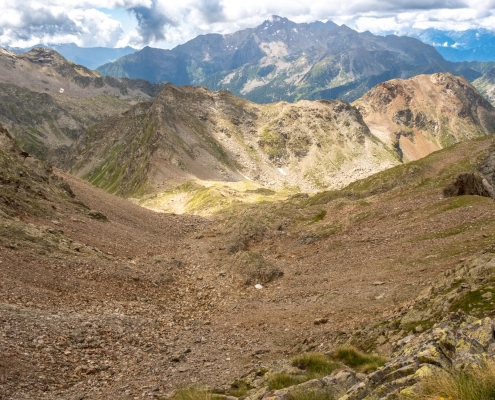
point(167, 23)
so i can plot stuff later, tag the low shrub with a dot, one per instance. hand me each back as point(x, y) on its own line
point(254, 268)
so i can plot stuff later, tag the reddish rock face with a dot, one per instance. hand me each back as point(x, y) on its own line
point(426, 113)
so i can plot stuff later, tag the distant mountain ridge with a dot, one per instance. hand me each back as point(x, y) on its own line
point(486, 85)
point(283, 60)
point(458, 46)
point(90, 57)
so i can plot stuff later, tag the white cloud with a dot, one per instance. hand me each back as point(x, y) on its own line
point(167, 23)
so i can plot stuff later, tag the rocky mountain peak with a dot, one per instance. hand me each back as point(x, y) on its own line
point(283, 60)
point(428, 112)
point(44, 56)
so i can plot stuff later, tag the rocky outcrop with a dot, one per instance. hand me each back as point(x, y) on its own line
point(426, 113)
point(457, 343)
point(480, 182)
point(194, 133)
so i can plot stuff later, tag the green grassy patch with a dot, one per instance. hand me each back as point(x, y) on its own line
point(319, 216)
point(469, 384)
point(473, 303)
point(326, 230)
point(425, 325)
point(453, 203)
point(456, 230)
point(262, 191)
point(193, 393)
point(311, 395)
point(358, 360)
point(362, 216)
point(282, 380)
point(205, 198)
point(316, 364)
point(238, 388)
point(312, 365)
point(273, 143)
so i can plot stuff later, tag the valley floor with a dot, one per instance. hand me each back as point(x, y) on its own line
point(140, 303)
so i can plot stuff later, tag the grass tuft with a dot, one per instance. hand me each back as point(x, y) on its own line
point(358, 360)
point(311, 395)
point(282, 380)
point(239, 388)
point(320, 216)
point(473, 384)
point(317, 364)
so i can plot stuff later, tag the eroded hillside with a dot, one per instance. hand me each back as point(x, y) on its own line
point(426, 113)
point(47, 102)
point(101, 298)
point(486, 85)
point(191, 133)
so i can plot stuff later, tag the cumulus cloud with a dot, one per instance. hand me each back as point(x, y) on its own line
point(165, 23)
point(30, 23)
point(212, 10)
point(152, 22)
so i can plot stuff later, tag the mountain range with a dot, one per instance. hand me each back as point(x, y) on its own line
point(132, 137)
point(458, 46)
point(192, 133)
point(283, 60)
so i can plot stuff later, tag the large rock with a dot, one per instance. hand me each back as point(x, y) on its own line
point(459, 342)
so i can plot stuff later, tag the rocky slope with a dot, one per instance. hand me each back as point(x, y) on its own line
point(459, 343)
point(420, 115)
point(486, 85)
point(193, 133)
point(283, 60)
point(104, 299)
point(47, 101)
point(216, 136)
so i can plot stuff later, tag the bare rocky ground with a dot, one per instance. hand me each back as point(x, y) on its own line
point(103, 299)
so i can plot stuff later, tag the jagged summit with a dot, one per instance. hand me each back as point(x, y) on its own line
point(284, 60)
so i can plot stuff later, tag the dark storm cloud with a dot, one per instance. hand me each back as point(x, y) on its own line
point(212, 10)
point(152, 22)
point(404, 5)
